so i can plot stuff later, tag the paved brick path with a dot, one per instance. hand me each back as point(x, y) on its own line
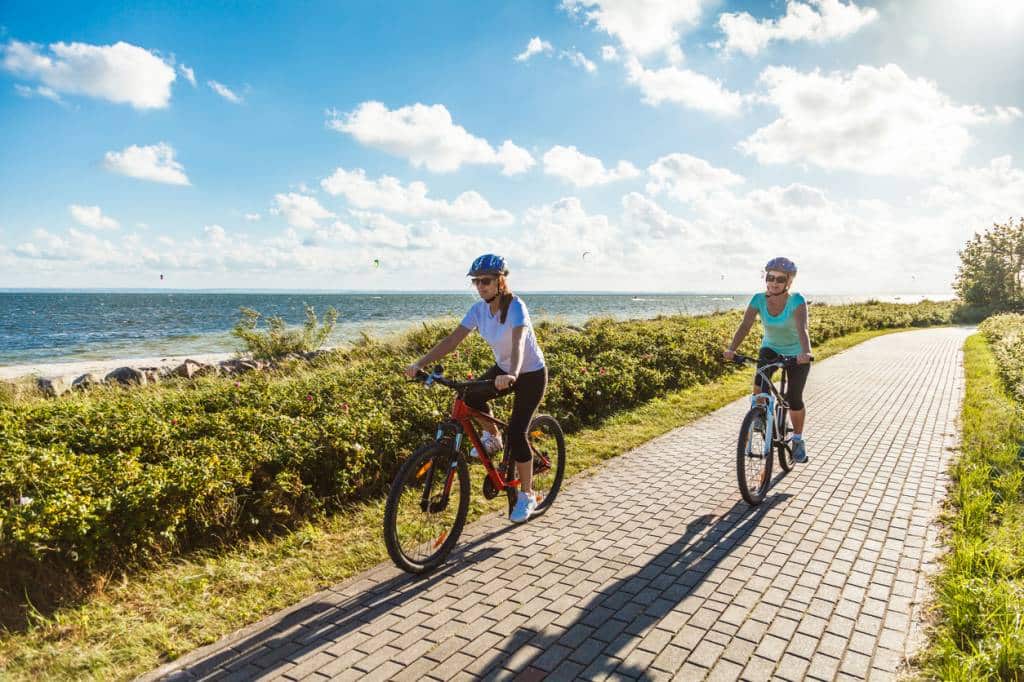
point(655, 568)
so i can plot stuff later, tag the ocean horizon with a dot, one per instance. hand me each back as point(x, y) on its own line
point(72, 325)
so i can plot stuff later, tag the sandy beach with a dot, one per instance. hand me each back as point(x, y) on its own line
point(75, 369)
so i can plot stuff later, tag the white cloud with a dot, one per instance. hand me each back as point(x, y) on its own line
point(684, 87)
point(252, 217)
point(579, 59)
point(609, 53)
point(557, 234)
point(380, 230)
point(513, 159)
point(642, 26)
point(581, 170)
point(817, 21)
point(300, 210)
point(388, 194)
point(649, 220)
point(981, 195)
point(224, 91)
point(121, 72)
point(215, 234)
point(427, 136)
point(154, 162)
point(688, 178)
point(189, 74)
point(535, 46)
point(74, 246)
point(38, 91)
point(878, 121)
point(92, 216)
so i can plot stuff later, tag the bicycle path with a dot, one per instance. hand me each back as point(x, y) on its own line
point(654, 567)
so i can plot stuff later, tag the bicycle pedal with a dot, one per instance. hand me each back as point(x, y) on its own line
point(490, 492)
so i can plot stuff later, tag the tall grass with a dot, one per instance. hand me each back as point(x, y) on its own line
point(979, 622)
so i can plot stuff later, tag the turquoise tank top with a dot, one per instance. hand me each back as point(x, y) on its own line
point(780, 332)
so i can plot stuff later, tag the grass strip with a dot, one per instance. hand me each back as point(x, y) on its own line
point(978, 629)
point(134, 623)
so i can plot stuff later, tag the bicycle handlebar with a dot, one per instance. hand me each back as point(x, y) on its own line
point(437, 376)
point(784, 360)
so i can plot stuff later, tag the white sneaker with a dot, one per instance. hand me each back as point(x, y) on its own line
point(490, 443)
point(526, 503)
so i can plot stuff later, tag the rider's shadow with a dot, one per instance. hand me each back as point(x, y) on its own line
point(264, 648)
point(617, 618)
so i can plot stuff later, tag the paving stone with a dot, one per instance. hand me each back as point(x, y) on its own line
point(639, 571)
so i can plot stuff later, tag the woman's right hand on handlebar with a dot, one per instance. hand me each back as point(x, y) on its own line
point(729, 355)
point(412, 370)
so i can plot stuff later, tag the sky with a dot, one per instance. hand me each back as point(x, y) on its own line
point(607, 145)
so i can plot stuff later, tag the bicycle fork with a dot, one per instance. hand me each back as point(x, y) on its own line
point(431, 506)
point(769, 421)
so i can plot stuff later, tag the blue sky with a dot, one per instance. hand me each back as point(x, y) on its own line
point(638, 146)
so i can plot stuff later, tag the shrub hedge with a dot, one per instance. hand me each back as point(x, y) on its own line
point(117, 476)
point(1005, 335)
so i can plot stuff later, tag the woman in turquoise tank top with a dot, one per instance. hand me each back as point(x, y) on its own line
point(784, 317)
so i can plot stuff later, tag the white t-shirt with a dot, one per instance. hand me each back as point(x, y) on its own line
point(499, 336)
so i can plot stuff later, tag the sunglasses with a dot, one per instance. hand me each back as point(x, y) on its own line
point(485, 281)
point(779, 279)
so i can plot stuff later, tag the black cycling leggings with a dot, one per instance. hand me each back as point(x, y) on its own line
point(797, 378)
point(528, 390)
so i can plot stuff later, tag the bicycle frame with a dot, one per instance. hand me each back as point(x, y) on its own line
point(773, 398)
point(463, 415)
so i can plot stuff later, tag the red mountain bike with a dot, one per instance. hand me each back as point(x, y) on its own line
point(429, 498)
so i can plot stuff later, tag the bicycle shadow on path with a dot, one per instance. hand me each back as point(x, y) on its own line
point(321, 621)
point(615, 619)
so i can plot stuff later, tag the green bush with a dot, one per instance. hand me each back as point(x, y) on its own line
point(278, 340)
point(1005, 335)
point(110, 477)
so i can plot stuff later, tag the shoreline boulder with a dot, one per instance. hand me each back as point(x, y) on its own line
point(53, 386)
point(87, 380)
point(127, 376)
point(192, 368)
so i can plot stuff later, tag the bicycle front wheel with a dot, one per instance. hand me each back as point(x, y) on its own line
point(547, 442)
point(782, 447)
point(753, 465)
point(426, 508)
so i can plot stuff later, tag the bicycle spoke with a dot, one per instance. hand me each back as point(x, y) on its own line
point(427, 507)
point(548, 446)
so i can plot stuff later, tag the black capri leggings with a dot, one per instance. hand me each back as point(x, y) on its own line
point(797, 378)
point(528, 390)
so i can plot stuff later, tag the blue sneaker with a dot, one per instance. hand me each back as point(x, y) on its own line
point(799, 451)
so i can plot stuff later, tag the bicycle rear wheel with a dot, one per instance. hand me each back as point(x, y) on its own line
point(547, 442)
point(426, 508)
point(753, 466)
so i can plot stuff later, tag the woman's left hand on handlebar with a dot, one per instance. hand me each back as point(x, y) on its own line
point(803, 359)
point(412, 370)
point(503, 381)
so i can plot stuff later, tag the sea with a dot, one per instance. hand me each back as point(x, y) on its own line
point(69, 326)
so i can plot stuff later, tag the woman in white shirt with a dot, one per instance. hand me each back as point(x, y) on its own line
point(504, 322)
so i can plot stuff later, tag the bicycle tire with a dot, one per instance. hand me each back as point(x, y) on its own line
point(553, 435)
point(420, 461)
point(785, 452)
point(746, 472)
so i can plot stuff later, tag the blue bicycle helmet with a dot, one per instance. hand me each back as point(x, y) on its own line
point(488, 264)
point(781, 264)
